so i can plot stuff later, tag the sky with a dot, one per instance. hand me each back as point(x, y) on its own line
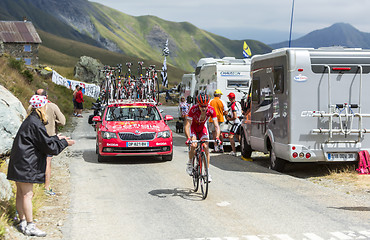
point(267, 21)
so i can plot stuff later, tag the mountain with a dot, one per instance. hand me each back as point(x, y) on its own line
point(339, 34)
point(141, 37)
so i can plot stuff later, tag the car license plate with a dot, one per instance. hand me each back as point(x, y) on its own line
point(342, 156)
point(137, 144)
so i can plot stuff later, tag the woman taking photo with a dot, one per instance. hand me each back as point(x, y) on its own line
point(28, 161)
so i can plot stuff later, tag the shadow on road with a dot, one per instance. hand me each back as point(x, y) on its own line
point(260, 164)
point(185, 193)
point(91, 157)
point(87, 137)
point(360, 209)
point(236, 164)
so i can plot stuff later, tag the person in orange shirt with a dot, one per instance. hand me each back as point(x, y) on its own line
point(221, 111)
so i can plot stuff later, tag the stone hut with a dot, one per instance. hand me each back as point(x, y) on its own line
point(20, 40)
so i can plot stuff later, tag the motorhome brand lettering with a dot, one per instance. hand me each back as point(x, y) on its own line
point(310, 113)
point(230, 73)
point(300, 78)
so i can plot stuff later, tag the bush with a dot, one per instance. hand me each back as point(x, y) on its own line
point(16, 64)
point(28, 75)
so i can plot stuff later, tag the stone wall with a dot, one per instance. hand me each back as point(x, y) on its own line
point(16, 50)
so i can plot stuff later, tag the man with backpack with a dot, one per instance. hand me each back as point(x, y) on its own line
point(233, 118)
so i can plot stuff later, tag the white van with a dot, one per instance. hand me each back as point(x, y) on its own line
point(187, 85)
point(227, 74)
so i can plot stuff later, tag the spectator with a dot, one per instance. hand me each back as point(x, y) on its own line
point(27, 163)
point(74, 101)
point(233, 118)
point(55, 117)
point(183, 108)
point(221, 110)
point(168, 96)
point(79, 101)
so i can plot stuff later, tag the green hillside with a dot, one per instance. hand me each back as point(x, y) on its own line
point(146, 35)
point(57, 51)
point(15, 10)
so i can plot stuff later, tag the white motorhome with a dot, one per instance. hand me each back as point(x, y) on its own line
point(227, 74)
point(187, 86)
point(308, 105)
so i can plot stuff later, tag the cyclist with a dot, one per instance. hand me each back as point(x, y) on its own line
point(196, 128)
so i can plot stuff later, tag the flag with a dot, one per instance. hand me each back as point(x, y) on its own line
point(166, 51)
point(164, 73)
point(246, 51)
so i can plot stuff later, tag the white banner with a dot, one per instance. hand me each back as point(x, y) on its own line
point(88, 89)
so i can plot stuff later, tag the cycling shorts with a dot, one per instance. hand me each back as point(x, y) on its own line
point(235, 129)
point(202, 134)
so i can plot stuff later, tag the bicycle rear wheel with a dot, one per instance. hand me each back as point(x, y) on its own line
point(203, 176)
point(195, 175)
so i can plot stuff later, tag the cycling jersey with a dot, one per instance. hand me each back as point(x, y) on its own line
point(235, 107)
point(198, 126)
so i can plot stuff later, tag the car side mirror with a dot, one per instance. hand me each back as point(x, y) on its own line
point(168, 118)
point(96, 119)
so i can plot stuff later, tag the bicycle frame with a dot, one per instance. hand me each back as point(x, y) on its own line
point(200, 167)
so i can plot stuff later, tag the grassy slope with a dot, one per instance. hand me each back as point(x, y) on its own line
point(61, 52)
point(188, 42)
point(12, 80)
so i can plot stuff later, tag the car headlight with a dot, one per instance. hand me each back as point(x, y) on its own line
point(164, 134)
point(108, 135)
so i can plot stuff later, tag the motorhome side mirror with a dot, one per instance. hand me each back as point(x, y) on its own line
point(96, 119)
point(168, 118)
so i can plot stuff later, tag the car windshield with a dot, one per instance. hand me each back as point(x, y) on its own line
point(132, 113)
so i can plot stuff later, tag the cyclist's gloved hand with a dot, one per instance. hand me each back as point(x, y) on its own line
point(188, 141)
point(218, 141)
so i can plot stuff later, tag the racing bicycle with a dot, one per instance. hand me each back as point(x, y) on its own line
point(200, 167)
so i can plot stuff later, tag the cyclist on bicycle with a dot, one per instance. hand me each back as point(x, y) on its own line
point(196, 127)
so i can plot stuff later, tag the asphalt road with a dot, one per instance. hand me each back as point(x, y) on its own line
point(146, 198)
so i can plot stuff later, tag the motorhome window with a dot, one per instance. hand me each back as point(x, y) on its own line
point(279, 79)
point(237, 83)
point(256, 93)
point(319, 62)
point(197, 70)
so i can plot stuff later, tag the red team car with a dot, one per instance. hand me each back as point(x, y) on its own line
point(133, 129)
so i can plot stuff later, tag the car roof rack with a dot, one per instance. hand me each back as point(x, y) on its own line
point(131, 101)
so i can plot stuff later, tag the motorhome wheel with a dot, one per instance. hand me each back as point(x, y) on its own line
point(245, 147)
point(276, 163)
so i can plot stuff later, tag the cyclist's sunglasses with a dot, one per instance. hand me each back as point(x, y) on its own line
point(203, 106)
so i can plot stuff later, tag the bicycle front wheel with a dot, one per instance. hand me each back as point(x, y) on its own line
point(195, 174)
point(203, 174)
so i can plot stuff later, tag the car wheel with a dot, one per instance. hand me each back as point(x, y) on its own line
point(100, 158)
point(276, 163)
point(245, 148)
point(167, 157)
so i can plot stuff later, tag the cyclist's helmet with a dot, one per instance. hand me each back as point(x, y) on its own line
point(203, 99)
